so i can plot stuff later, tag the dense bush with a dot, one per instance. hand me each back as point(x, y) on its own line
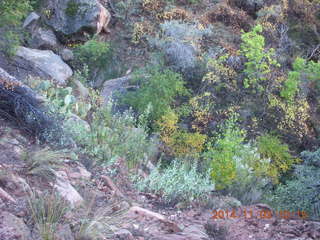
point(302, 191)
point(11, 15)
point(251, 181)
point(95, 54)
point(221, 153)
point(270, 147)
point(180, 142)
point(12, 12)
point(178, 182)
point(114, 135)
point(158, 87)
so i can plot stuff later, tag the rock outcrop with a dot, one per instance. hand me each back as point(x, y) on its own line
point(46, 64)
point(13, 228)
point(44, 39)
point(74, 17)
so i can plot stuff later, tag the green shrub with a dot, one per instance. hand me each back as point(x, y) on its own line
point(291, 86)
point(72, 8)
point(95, 54)
point(158, 87)
point(302, 192)
point(178, 182)
point(259, 60)
point(11, 15)
point(272, 148)
point(12, 12)
point(221, 154)
point(114, 135)
point(251, 181)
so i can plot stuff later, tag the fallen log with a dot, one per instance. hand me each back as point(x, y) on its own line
point(135, 210)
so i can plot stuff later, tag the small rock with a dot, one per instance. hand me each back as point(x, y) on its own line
point(64, 232)
point(123, 234)
point(79, 173)
point(75, 120)
point(67, 55)
point(30, 19)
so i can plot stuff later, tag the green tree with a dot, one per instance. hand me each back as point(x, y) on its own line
point(259, 60)
point(160, 88)
point(221, 154)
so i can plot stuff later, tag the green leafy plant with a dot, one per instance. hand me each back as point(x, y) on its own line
point(61, 98)
point(259, 60)
point(220, 154)
point(157, 84)
point(114, 135)
point(291, 86)
point(272, 148)
point(178, 182)
point(11, 14)
point(95, 54)
point(72, 8)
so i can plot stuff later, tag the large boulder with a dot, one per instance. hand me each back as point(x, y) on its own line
point(44, 39)
point(113, 86)
point(13, 228)
point(46, 64)
point(66, 190)
point(73, 17)
point(31, 19)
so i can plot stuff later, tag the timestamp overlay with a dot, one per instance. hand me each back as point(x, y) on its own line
point(259, 214)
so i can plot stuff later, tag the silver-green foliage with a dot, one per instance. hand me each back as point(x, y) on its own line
point(113, 135)
point(249, 185)
point(178, 182)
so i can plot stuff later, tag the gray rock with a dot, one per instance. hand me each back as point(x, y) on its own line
point(69, 17)
point(67, 55)
point(63, 232)
point(44, 39)
point(33, 17)
point(13, 228)
point(66, 190)
point(10, 80)
point(112, 86)
point(46, 64)
point(75, 120)
point(123, 234)
point(192, 232)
